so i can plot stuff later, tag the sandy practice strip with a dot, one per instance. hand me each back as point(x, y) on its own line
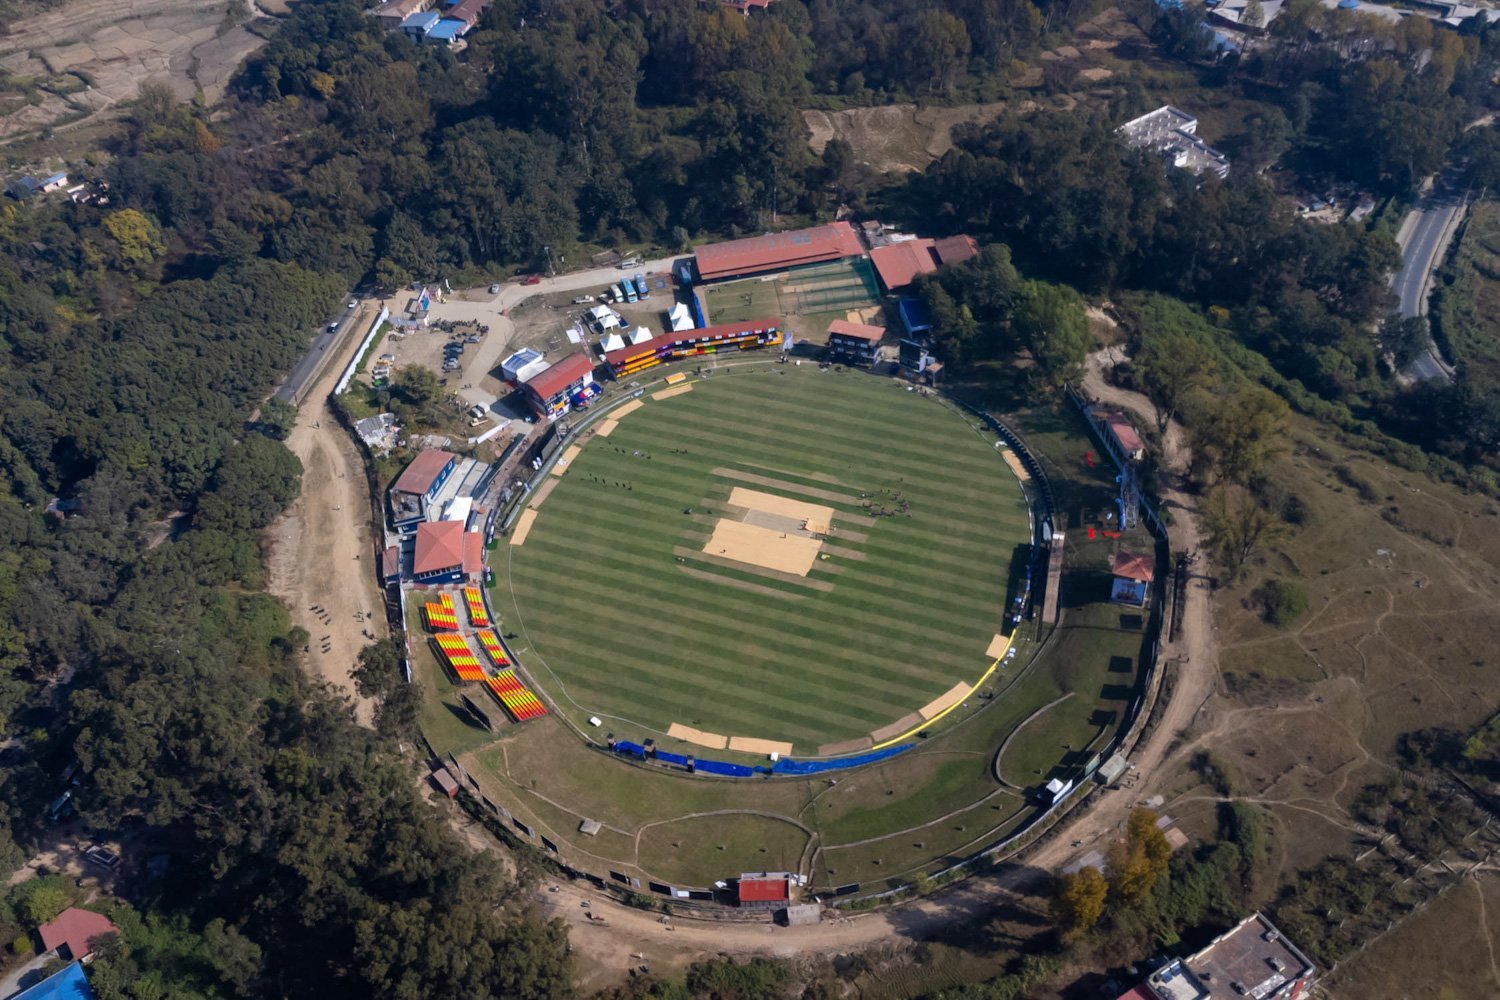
point(606, 427)
point(669, 393)
point(697, 736)
point(757, 546)
point(816, 516)
point(624, 408)
point(748, 744)
point(941, 704)
point(522, 526)
point(541, 493)
point(998, 647)
point(847, 746)
point(1014, 461)
point(901, 725)
point(561, 465)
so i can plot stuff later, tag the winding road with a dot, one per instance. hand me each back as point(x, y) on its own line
point(1424, 237)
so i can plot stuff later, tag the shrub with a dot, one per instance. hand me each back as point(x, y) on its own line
point(21, 945)
point(1282, 602)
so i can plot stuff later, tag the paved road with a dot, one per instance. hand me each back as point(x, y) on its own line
point(321, 348)
point(1424, 238)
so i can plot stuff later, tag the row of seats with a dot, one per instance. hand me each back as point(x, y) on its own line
point(441, 614)
point(460, 657)
point(492, 648)
point(478, 616)
point(516, 698)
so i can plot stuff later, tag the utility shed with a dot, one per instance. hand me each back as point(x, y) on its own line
point(801, 915)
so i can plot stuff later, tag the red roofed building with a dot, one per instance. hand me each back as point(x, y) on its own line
point(445, 552)
point(558, 389)
point(1125, 435)
point(72, 934)
point(765, 891)
point(418, 484)
point(629, 360)
point(777, 251)
point(853, 343)
point(898, 264)
point(1133, 573)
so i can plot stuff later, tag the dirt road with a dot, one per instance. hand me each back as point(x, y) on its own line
point(320, 549)
point(607, 951)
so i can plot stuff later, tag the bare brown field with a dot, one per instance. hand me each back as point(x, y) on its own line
point(85, 58)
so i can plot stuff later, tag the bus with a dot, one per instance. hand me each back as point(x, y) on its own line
point(640, 286)
point(629, 290)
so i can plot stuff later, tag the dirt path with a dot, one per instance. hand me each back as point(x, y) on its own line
point(604, 951)
point(319, 551)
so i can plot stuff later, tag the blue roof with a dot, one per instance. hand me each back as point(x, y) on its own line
point(69, 984)
point(424, 22)
point(448, 29)
point(914, 315)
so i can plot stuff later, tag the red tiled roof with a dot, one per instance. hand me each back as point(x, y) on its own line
point(1138, 992)
point(473, 552)
point(955, 249)
point(898, 264)
point(1135, 566)
point(1124, 432)
point(844, 328)
point(440, 546)
point(775, 250)
point(390, 562)
point(700, 336)
point(764, 890)
point(554, 380)
point(77, 929)
point(419, 476)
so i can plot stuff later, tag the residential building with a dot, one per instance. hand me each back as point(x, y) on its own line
point(1171, 133)
point(391, 15)
point(414, 490)
point(1252, 959)
point(777, 251)
point(854, 343)
point(1133, 573)
point(899, 262)
point(28, 187)
point(73, 933)
point(417, 26)
point(567, 384)
point(66, 984)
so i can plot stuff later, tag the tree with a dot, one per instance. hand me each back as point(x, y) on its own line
point(1283, 602)
point(1052, 322)
point(937, 49)
point(1079, 902)
point(1254, 15)
point(40, 900)
point(1235, 439)
point(1173, 368)
point(137, 236)
point(1140, 860)
point(1237, 521)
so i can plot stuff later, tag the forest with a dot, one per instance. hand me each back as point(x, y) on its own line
point(139, 338)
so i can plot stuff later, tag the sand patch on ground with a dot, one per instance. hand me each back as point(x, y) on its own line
point(567, 459)
point(997, 648)
point(522, 526)
point(762, 547)
point(1014, 461)
point(748, 744)
point(669, 393)
point(624, 409)
point(697, 737)
point(606, 427)
point(813, 517)
point(847, 746)
point(943, 702)
point(542, 493)
point(909, 721)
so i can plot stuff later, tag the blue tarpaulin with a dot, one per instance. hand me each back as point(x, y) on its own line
point(788, 766)
point(629, 749)
point(728, 770)
point(671, 758)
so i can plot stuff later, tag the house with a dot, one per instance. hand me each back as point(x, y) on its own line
point(1171, 133)
point(776, 251)
point(417, 486)
point(1122, 435)
point(392, 15)
point(468, 12)
point(449, 32)
point(68, 983)
point(557, 390)
point(376, 432)
point(73, 933)
point(445, 553)
point(390, 565)
point(899, 263)
point(1133, 573)
point(1252, 959)
point(417, 26)
point(764, 890)
point(522, 365)
point(27, 187)
point(853, 343)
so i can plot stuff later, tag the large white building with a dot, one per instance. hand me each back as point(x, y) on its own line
point(1171, 133)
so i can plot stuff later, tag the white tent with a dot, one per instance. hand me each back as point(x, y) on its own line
point(680, 318)
point(611, 343)
point(639, 335)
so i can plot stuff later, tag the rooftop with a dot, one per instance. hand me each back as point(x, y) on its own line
point(708, 333)
point(76, 929)
point(554, 380)
point(1136, 566)
point(763, 253)
point(1124, 432)
point(1251, 960)
point(898, 264)
point(423, 471)
point(448, 29)
point(67, 984)
point(860, 331)
point(1172, 134)
point(423, 21)
point(764, 890)
point(445, 545)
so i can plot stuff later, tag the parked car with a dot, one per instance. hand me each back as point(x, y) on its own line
point(333, 327)
point(628, 263)
point(494, 289)
point(353, 304)
point(532, 279)
point(471, 339)
point(583, 300)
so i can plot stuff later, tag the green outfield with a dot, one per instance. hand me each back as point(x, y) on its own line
point(624, 609)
